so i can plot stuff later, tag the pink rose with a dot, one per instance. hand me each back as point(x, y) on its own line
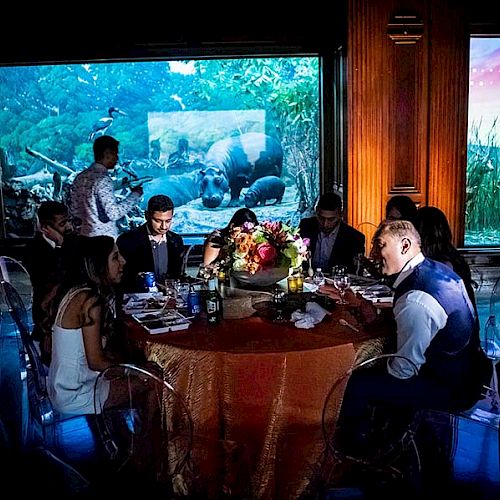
point(267, 254)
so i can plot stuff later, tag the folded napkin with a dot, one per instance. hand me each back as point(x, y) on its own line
point(313, 315)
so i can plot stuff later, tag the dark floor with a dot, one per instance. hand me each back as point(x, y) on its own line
point(475, 472)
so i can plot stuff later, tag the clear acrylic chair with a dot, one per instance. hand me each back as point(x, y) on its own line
point(491, 344)
point(395, 460)
point(13, 272)
point(149, 434)
point(44, 427)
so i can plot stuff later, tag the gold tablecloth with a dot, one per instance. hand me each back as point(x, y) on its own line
point(260, 386)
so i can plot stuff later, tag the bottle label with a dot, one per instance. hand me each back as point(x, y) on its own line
point(212, 306)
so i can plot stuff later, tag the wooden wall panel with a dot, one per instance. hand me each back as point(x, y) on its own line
point(406, 110)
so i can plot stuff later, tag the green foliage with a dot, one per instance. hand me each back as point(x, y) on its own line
point(482, 216)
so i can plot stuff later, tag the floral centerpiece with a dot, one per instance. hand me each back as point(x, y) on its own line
point(262, 254)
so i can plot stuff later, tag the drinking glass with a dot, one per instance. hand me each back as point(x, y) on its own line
point(342, 283)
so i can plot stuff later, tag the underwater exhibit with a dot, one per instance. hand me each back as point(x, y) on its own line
point(212, 134)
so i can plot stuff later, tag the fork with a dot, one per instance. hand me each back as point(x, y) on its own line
point(343, 322)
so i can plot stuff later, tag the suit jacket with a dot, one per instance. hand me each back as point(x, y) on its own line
point(348, 244)
point(44, 265)
point(135, 247)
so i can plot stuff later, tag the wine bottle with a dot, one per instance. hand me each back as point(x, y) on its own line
point(213, 303)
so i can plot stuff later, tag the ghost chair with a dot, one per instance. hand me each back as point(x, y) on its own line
point(72, 438)
point(149, 435)
point(13, 272)
point(459, 455)
point(185, 259)
point(491, 344)
point(388, 460)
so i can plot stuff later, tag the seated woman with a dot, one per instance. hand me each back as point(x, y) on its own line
point(82, 311)
point(401, 208)
point(435, 235)
point(215, 240)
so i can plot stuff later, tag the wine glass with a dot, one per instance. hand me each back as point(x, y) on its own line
point(342, 283)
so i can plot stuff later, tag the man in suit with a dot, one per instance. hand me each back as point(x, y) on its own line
point(43, 260)
point(152, 246)
point(332, 242)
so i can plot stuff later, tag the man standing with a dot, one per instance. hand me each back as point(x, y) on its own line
point(43, 261)
point(152, 246)
point(437, 333)
point(93, 200)
point(332, 242)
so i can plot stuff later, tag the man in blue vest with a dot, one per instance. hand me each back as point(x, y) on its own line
point(437, 331)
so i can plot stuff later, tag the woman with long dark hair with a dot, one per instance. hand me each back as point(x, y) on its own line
point(82, 312)
point(216, 239)
point(436, 239)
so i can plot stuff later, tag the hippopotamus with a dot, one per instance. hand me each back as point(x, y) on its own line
point(237, 162)
point(263, 189)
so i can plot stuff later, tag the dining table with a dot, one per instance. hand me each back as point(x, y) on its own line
point(255, 389)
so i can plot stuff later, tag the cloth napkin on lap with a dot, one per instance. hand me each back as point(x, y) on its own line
point(313, 315)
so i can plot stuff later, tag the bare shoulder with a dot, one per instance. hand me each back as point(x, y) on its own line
point(83, 304)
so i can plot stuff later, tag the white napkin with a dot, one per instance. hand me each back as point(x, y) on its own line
point(313, 315)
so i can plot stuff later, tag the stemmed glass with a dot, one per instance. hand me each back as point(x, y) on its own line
point(342, 281)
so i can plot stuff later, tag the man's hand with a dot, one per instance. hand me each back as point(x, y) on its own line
point(52, 235)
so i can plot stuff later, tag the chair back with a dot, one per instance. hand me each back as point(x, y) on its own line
point(16, 306)
point(17, 275)
point(491, 344)
point(185, 259)
point(384, 460)
point(40, 406)
point(150, 431)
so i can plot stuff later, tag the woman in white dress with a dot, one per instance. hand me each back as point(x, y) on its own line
point(84, 310)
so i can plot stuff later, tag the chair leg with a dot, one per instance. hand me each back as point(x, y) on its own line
point(493, 392)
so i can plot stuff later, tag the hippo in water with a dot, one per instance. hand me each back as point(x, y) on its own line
point(237, 162)
point(263, 189)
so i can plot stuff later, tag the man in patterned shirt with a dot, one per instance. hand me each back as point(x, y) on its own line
point(93, 200)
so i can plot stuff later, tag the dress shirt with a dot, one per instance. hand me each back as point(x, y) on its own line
point(93, 201)
point(50, 242)
point(419, 316)
point(159, 249)
point(324, 247)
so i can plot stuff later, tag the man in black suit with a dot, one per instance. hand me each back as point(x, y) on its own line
point(43, 260)
point(152, 246)
point(332, 242)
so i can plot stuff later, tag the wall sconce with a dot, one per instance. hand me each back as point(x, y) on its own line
point(405, 29)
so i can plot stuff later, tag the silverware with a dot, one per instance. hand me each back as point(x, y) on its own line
point(343, 322)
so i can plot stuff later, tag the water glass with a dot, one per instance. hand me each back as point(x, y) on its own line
point(292, 284)
point(171, 293)
point(300, 283)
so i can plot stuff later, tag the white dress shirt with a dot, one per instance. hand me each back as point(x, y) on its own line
point(419, 316)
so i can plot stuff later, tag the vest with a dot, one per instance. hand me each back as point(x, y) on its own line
point(451, 355)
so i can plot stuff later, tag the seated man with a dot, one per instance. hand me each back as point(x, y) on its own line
point(43, 261)
point(152, 246)
point(437, 330)
point(332, 242)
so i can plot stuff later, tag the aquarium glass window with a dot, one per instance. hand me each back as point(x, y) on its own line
point(482, 216)
point(252, 121)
